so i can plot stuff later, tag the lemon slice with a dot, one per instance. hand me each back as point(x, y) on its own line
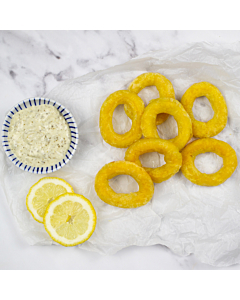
point(43, 192)
point(70, 219)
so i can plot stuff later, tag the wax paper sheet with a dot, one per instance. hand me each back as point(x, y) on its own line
point(185, 217)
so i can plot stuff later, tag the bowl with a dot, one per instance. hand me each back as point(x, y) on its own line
point(25, 104)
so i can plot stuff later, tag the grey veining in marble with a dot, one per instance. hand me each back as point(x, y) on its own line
point(34, 62)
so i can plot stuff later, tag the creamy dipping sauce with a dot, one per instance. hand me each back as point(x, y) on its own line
point(39, 136)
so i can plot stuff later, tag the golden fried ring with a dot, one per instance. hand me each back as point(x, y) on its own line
point(131, 200)
point(222, 149)
point(174, 108)
point(106, 113)
point(163, 85)
point(219, 106)
point(172, 157)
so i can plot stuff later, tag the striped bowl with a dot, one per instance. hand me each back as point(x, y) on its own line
point(67, 116)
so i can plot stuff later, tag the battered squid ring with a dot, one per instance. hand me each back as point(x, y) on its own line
point(219, 106)
point(174, 108)
point(131, 200)
point(222, 149)
point(172, 157)
point(106, 113)
point(163, 85)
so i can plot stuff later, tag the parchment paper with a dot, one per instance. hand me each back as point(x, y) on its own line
point(185, 217)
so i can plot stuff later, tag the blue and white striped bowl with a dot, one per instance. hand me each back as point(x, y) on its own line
point(69, 119)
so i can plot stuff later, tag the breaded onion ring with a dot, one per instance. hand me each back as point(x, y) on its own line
point(222, 149)
point(106, 113)
point(174, 108)
point(163, 85)
point(219, 106)
point(172, 157)
point(131, 200)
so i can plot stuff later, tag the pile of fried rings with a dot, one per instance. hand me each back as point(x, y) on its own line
point(178, 153)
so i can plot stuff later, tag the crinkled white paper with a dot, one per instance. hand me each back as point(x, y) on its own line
point(185, 217)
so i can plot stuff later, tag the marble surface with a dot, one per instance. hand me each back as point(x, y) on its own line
point(34, 62)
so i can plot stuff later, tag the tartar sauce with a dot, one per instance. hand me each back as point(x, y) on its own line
point(39, 136)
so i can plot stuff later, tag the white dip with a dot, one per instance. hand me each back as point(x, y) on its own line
point(39, 136)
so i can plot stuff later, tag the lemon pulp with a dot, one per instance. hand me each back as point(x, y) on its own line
point(45, 195)
point(69, 219)
point(42, 193)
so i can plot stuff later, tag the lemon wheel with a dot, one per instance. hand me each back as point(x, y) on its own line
point(43, 192)
point(70, 219)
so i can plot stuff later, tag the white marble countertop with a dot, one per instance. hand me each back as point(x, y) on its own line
point(34, 62)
